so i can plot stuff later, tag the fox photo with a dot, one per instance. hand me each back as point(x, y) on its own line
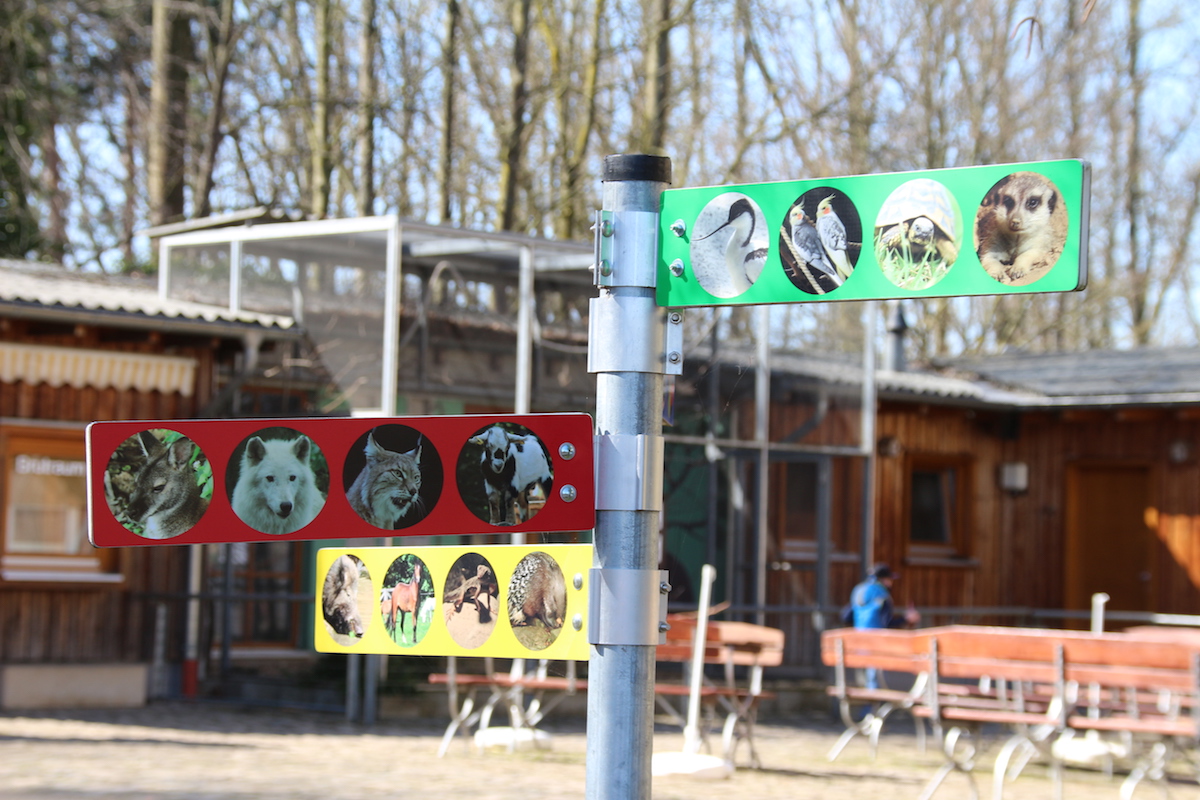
point(277, 480)
point(158, 484)
point(392, 476)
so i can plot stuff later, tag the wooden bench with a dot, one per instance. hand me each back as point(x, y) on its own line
point(730, 645)
point(507, 690)
point(529, 696)
point(1044, 685)
point(897, 651)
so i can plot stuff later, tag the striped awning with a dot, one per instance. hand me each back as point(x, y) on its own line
point(99, 369)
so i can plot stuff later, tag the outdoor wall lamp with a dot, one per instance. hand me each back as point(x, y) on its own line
point(1014, 477)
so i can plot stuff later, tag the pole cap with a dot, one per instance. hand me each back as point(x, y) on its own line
point(637, 167)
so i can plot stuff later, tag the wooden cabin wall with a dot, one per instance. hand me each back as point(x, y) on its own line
point(90, 623)
point(1016, 542)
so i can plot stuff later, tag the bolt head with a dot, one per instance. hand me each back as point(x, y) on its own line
point(677, 268)
point(679, 227)
point(605, 267)
point(676, 317)
point(663, 627)
point(577, 581)
point(568, 493)
point(566, 451)
point(674, 357)
point(577, 622)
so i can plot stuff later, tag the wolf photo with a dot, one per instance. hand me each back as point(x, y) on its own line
point(277, 480)
point(158, 483)
point(392, 476)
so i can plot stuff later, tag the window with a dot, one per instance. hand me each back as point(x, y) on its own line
point(44, 496)
point(264, 577)
point(816, 496)
point(937, 500)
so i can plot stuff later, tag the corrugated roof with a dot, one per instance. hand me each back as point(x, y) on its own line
point(1093, 377)
point(33, 289)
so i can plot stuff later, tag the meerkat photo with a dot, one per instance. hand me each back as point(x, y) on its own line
point(1020, 228)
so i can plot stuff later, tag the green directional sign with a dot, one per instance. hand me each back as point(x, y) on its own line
point(999, 229)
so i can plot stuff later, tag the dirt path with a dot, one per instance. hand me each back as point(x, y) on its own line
point(203, 752)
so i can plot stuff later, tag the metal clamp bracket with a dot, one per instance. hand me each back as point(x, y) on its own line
point(627, 606)
point(674, 342)
point(629, 472)
point(626, 248)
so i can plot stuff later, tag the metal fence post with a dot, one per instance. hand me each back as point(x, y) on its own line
point(626, 351)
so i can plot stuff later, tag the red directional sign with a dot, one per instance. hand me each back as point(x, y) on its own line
point(198, 482)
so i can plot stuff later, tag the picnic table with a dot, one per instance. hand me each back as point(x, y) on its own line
point(528, 695)
point(1045, 686)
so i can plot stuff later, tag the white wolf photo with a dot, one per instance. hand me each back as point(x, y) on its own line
point(276, 490)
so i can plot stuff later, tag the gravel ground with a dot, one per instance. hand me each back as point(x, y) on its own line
point(176, 751)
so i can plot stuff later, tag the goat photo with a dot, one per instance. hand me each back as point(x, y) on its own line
point(505, 474)
point(406, 600)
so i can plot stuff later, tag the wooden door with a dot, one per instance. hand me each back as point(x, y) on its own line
point(1108, 540)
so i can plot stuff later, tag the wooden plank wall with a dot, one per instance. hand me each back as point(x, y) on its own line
point(1016, 542)
point(85, 623)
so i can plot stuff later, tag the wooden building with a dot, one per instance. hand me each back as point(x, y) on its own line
point(1007, 489)
point(79, 625)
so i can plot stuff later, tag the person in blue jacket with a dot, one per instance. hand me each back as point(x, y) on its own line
point(871, 607)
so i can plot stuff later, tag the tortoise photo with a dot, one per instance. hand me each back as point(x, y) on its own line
point(918, 233)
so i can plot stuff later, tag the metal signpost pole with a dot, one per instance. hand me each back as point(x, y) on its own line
point(626, 350)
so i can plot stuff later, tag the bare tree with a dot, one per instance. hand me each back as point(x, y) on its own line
point(172, 51)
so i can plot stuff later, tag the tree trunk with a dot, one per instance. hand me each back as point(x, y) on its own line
point(221, 35)
point(319, 134)
point(171, 50)
point(657, 65)
point(367, 100)
point(514, 145)
point(449, 83)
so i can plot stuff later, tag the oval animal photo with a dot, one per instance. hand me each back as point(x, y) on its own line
point(729, 242)
point(392, 476)
point(277, 480)
point(470, 600)
point(537, 601)
point(918, 234)
point(158, 484)
point(1020, 228)
point(346, 599)
point(406, 600)
point(505, 474)
point(820, 240)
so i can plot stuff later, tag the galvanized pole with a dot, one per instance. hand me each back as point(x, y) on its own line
point(627, 351)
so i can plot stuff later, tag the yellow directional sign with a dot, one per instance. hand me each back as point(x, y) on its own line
point(508, 601)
